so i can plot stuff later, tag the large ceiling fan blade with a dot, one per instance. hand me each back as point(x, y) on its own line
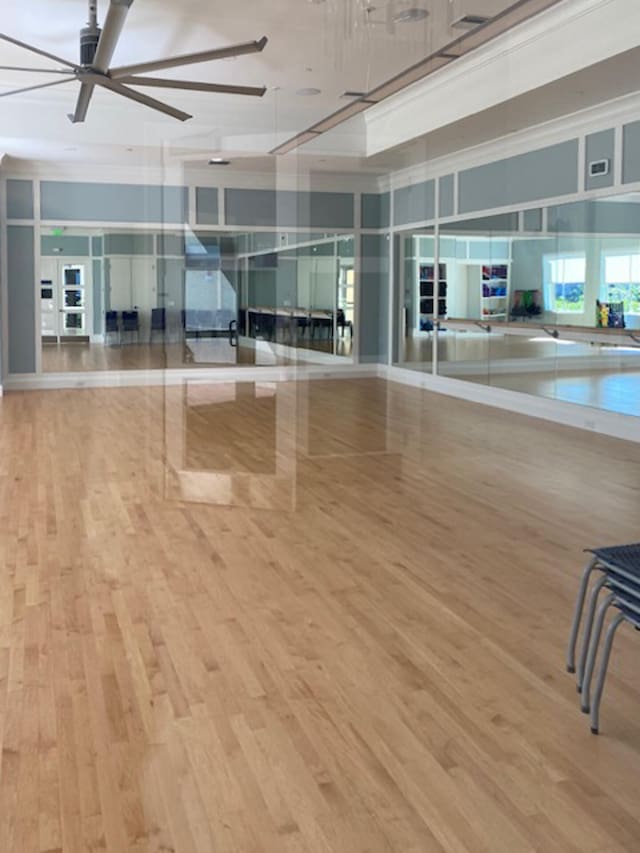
point(190, 58)
point(145, 100)
point(192, 86)
point(33, 88)
point(37, 70)
point(37, 50)
point(82, 105)
point(111, 32)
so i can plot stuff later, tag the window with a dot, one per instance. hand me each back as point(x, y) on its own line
point(565, 280)
point(622, 281)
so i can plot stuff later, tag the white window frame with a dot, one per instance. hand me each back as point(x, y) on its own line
point(549, 286)
point(604, 287)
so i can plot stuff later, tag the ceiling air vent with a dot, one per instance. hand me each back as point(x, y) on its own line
point(468, 22)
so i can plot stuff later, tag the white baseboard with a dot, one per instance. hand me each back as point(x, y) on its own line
point(142, 378)
point(616, 425)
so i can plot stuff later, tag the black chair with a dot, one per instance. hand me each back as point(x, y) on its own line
point(131, 323)
point(158, 322)
point(111, 325)
point(342, 323)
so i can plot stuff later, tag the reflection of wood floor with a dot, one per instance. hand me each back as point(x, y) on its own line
point(201, 352)
point(616, 392)
point(377, 666)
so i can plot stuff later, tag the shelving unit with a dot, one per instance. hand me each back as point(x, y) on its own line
point(426, 291)
point(494, 298)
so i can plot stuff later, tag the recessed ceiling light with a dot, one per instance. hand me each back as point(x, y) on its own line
point(467, 22)
point(219, 161)
point(409, 16)
point(308, 90)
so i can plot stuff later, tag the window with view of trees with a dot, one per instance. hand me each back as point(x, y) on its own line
point(565, 282)
point(622, 281)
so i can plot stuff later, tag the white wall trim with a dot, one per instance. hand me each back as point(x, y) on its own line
point(142, 378)
point(613, 113)
point(565, 39)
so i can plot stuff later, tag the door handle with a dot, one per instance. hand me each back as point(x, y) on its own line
point(233, 333)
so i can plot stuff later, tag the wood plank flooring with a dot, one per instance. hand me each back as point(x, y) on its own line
point(362, 651)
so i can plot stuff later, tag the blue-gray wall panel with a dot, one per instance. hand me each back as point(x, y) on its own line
point(374, 298)
point(97, 247)
point(73, 246)
point(21, 299)
point(545, 173)
point(63, 201)
point(98, 325)
point(19, 199)
point(171, 244)
point(595, 217)
point(376, 210)
point(129, 244)
point(631, 153)
point(415, 203)
point(532, 219)
point(599, 146)
point(287, 208)
point(445, 196)
point(207, 206)
point(484, 225)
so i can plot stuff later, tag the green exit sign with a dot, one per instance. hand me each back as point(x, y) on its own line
point(57, 232)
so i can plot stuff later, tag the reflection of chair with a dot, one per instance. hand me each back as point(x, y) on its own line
point(158, 322)
point(322, 323)
point(342, 323)
point(131, 323)
point(111, 326)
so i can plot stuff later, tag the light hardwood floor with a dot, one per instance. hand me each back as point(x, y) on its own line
point(362, 651)
point(196, 352)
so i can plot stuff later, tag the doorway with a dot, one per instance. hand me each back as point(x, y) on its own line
point(65, 293)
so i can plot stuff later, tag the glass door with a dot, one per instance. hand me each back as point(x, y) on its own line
point(63, 307)
point(210, 316)
point(72, 313)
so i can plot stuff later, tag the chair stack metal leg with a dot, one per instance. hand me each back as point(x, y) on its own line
point(588, 627)
point(606, 654)
point(577, 617)
point(593, 651)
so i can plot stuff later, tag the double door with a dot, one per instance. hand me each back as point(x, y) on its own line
point(64, 294)
point(132, 285)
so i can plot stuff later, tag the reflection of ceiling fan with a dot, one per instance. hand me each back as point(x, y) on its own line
point(97, 47)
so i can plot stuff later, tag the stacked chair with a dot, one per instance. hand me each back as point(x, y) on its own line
point(618, 573)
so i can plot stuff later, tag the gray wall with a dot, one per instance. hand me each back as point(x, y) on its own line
point(72, 246)
point(446, 200)
point(631, 152)
point(599, 146)
point(66, 201)
point(376, 210)
point(545, 173)
point(289, 209)
point(415, 203)
point(21, 305)
point(374, 298)
point(19, 199)
point(207, 206)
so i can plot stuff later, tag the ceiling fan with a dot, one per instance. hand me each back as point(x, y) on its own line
point(97, 46)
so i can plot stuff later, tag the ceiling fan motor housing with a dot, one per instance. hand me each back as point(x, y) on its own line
point(89, 38)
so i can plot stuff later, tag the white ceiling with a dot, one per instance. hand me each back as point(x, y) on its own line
point(308, 47)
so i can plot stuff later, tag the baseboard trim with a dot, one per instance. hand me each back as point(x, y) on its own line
point(626, 427)
point(142, 378)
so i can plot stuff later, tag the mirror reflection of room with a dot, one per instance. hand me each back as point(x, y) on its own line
point(122, 299)
point(545, 301)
